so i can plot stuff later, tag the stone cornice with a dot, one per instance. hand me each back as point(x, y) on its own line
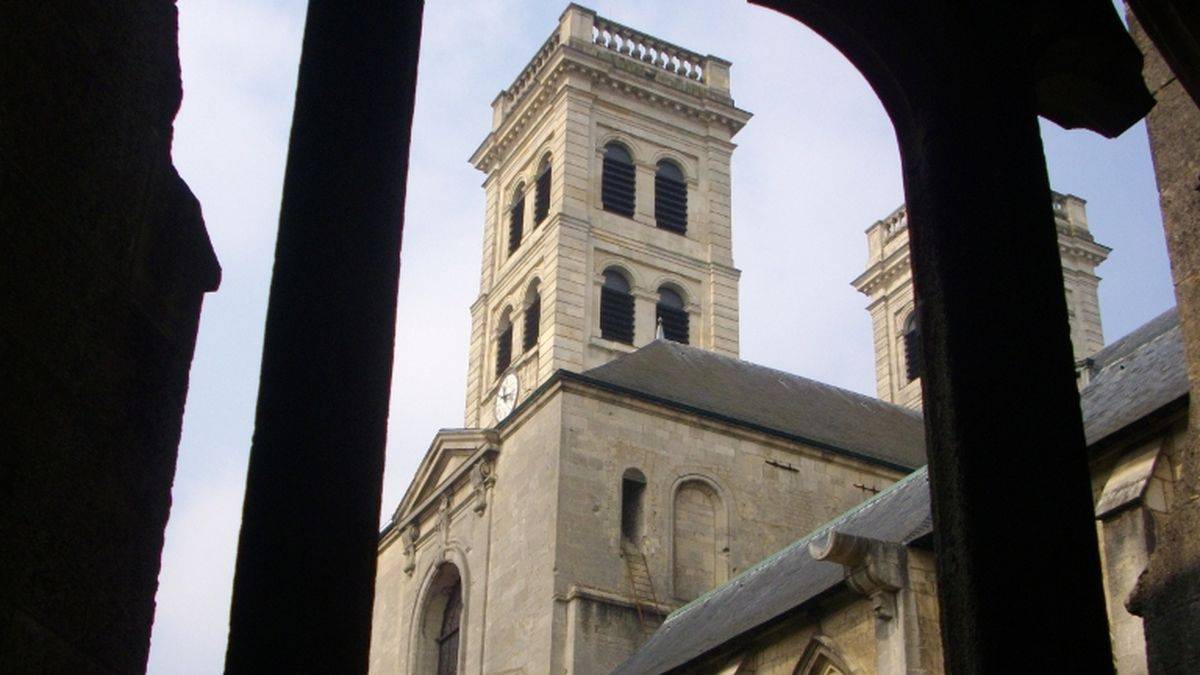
point(883, 271)
point(666, 90)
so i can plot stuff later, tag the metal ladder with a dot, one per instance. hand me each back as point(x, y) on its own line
point(641, 585)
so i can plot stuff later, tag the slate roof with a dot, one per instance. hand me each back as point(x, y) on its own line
point(781, 582)
point(770, 400)
point(1132, 377)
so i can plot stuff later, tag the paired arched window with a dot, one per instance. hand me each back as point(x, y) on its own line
point(617, 181)
point(504, 343)
point(671, 316)
point(914, 365)
point(616, 308)
point(440, 624)
point(698, 535)
point(533, 319)
point(670, 198)
point(516, 219)
point(633, 490)
point(541, 200)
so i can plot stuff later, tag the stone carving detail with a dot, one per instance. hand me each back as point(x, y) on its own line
point(482, 479)
point(444, 519)
point(408, 539)
point(874, 568)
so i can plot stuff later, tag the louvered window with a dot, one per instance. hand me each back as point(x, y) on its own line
point(533, 320)
point(670, 198)
point(616, 309)
point(914, 365)
point(672, 317)
point(504, 350)
point(516, 220)
point(617, 181)
point(541, 200)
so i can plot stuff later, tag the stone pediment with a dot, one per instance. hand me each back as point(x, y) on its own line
point(446, 461)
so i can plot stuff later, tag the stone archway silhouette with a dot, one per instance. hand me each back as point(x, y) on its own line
point(963, 84)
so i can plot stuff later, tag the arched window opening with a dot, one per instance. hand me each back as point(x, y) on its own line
point(504, 344)
point(633, 489)
point(617, 192)
point(541, 200)
point(697, 532)
point(820, 658)
point(440, 624)
point(670, 198)
point(671, 316)
point(516, 220)
point(533, 320)
point(616, 308)
point(448, 636)
point(914, 365)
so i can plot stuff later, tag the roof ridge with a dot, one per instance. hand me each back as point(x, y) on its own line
point(680, 347)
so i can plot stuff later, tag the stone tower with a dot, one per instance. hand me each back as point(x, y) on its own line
point(607, 216)
point(887, 282)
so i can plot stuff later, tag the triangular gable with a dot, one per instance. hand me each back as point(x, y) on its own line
point(449, 451)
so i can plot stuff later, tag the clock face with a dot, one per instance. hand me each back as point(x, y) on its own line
point(506, 396)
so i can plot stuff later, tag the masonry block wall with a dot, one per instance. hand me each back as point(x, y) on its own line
point(1168, 595)
point(713, 505)
point(106, 260)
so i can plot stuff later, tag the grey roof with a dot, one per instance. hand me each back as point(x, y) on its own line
point(771, 400)
point(1131, 378)
point(1134, 376)
point(781, 582)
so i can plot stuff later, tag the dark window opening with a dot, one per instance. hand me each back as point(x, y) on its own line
point(633, 487)
point(617, 181)
point(672, 317)
point(914, 364)
point(504, 350)
point(447, 660)
point(616, 309)
point(541, 200)
point(670, 198)
point(533, 320)
point(516, 220)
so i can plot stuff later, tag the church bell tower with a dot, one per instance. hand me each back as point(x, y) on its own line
point(607, 219)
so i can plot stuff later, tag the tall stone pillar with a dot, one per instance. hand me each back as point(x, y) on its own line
point(305, 575)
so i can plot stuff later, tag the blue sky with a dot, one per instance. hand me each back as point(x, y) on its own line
point(815, 167)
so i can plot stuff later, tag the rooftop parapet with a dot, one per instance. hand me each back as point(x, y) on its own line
point(583, 28)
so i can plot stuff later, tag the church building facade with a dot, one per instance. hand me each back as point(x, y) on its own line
point(617, 461)
point(627, 495)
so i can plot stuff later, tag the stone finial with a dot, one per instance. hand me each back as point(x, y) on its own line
point(716, 74)
point(576, 23)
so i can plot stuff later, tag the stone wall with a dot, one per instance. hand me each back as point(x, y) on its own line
point(106, 260)
point(746, 510)
point(1168, 596)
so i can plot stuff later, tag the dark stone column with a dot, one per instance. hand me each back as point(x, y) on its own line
point(1018, 565)
point(104, 261)
point(306, 557)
